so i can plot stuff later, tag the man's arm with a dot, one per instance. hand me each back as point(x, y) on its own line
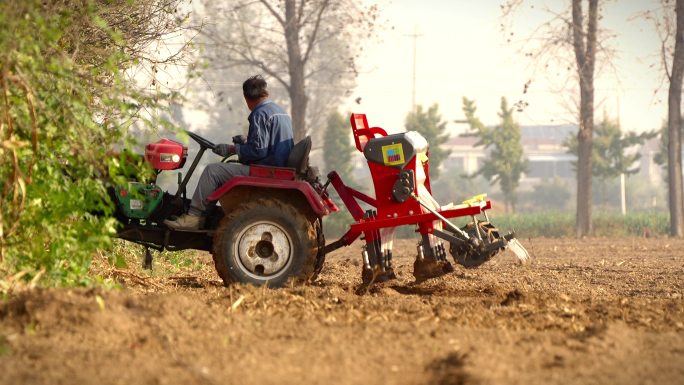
point(256, 147)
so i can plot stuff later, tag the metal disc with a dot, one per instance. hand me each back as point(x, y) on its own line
point(264, 249)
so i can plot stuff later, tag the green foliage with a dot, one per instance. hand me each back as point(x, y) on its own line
point(64, 105)
point(562, 224)
point(544, 224)
point(124, 260)
point(337, 154)
point(661, 158)
point(429, 124)
point(610, 156)
point(609, 151)
point(337, 147)
point(506, 161)
point(182, 260)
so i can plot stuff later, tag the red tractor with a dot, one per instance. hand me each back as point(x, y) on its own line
point(268, 227)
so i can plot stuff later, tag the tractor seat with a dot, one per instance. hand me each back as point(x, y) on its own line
point(299, 156)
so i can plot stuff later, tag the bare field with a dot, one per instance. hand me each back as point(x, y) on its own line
point(593, 311)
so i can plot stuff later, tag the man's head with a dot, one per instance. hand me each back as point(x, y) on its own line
point(254, 91)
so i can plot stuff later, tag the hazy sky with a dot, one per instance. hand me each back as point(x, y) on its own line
point(462, 52)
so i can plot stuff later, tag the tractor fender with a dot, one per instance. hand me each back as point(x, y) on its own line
point(257, 184)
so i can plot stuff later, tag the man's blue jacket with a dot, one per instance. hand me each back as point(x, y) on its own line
point(270, 137)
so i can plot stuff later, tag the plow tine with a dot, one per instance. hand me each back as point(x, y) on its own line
point(517, 248)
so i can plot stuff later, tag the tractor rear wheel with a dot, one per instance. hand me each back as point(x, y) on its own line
point(265, 242)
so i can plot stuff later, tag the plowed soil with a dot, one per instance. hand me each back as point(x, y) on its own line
point(595, 311)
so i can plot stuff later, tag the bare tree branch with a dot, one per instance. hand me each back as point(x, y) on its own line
point(298, 43)
point(312, 37)
point(273, 12)
point(578, 34)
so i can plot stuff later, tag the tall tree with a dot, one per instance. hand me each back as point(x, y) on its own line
point(429, 124)
point(584, 45)
point(573, 31)
point(506, 162)
point(337, 147)
point(670, 28)
point(674, 128)
point(295, 42)
point(610, 151)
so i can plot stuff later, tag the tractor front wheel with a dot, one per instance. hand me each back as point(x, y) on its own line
point(265, 242)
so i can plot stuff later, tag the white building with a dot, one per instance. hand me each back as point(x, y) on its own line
point(547, 157)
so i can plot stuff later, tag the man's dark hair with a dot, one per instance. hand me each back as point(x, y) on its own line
point(254, 88)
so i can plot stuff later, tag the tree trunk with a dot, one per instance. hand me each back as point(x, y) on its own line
point(296, 87)
point(585, 51)
point(583, 224)
point(298, 108)
point(674, 128)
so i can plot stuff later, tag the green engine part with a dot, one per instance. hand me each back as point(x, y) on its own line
point(139, 200)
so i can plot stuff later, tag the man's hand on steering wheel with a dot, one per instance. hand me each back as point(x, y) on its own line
point(239, 139)
point(224, 150)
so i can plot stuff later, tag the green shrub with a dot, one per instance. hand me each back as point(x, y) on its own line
point(64, 106)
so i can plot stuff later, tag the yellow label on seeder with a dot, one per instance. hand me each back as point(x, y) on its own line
point(475, 199)
point(393, 154)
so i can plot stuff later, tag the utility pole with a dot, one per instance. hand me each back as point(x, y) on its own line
point(623, 192)
point(415, 37)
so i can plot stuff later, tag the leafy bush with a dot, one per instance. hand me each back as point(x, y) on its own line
point(64, 105)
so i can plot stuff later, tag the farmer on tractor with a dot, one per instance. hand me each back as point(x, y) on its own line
point(268, 143)
point(269, 226)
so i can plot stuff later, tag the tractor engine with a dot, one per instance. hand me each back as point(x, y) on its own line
point(166, 155)
point(138, 200)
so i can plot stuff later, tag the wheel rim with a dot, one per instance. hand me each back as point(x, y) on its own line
point(263, 250)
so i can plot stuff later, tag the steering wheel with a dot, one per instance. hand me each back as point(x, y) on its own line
point(200, 140)
point(206, 143)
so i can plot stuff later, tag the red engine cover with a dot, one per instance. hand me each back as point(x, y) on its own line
point(166, 154)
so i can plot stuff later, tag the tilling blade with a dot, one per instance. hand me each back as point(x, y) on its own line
point(519, 250)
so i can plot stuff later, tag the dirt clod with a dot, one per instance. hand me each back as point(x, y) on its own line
point(512, 297)
point(451, 370)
